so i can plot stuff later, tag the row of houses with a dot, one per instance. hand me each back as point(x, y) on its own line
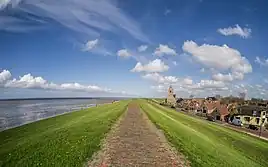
point(225, 109)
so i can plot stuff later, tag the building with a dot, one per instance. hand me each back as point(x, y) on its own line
point(250, 115)
point(171, 99)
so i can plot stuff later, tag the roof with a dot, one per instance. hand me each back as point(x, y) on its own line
point(179, 100)
point(248, 110)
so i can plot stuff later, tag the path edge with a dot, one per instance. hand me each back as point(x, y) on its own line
point(99, 157)
point(163, 138)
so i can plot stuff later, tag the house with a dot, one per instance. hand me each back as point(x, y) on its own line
point(252, 115)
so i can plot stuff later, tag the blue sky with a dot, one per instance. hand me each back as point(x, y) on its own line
point(123, 48)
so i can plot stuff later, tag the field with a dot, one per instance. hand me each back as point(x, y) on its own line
point(205, 143)
point(71, 139)
point(66, 140)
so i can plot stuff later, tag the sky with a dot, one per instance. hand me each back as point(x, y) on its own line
point(86, 48)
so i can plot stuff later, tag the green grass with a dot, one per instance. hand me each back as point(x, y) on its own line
point(205, 143)
point(66, 140)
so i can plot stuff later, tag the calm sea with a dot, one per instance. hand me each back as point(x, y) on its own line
point(18, 112)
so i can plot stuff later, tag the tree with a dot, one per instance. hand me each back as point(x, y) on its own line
point(218, 96)
point(242, 95)
point(232, 108)
point(256, 99)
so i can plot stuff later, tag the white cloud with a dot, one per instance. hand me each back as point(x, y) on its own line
point(237, 30)
point(160, 79)
point(30, 82)
point(164, 50)
point(222, 77)
point(202, 70)
point(90, 45)
point(175, 63)
point(4, 3)
point(159, 88)
point(4, 76)
point(153, 66)
point(123, 53)
point(222, 58)
point(187, 81)
point(168, 80)
point(203, 84)
point(142, 48)
point(82, 16)
point(259, 86)
point(261, 62)
point(185, 87)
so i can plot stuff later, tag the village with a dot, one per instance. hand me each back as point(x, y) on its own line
point(237, 111)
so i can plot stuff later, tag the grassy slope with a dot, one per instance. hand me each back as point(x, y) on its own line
point(66, 140)
point(205, 143)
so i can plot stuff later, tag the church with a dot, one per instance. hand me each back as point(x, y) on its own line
point(171, 99)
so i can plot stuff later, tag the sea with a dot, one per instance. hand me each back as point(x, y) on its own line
point(17, 112)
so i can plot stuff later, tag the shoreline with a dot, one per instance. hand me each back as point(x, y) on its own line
point(66, 112)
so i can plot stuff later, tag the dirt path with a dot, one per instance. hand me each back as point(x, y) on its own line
point(135, 141)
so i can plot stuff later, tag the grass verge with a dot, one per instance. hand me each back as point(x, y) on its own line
point(205, 143)
point(65, 140)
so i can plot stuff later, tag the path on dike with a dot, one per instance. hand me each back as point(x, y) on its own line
point(135, 141)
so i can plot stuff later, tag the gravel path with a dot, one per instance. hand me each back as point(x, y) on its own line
point(135, 141)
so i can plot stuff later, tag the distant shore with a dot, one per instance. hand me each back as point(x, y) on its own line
point(18, 112)
point(66, 98)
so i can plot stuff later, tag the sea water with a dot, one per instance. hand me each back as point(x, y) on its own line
point(14, 113)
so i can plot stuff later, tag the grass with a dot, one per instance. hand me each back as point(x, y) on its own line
point(205, 143)
point(65, 140)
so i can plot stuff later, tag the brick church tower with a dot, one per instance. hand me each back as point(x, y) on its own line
point(171, 99)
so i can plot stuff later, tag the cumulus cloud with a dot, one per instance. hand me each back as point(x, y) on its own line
point(223, 77)
point(90, 45)
point(153, 66)
point(237, 30)
point(123, 53)
point(164, 50)
point(206, 87)
point(219, 57)
point(156, 77)
point(159, 88)
point(88, 17)
point(186, 87)
point(262, 62)
point(187, 81)
point(4, 76)
point(4, 3)
point(207, 84)
point(30, 82)
point(168, 80)
point(142, 48)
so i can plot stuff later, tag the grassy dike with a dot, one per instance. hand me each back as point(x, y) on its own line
point(205, 143)
point(65, 140)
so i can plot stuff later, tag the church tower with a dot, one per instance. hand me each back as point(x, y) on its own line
point(171, 96)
